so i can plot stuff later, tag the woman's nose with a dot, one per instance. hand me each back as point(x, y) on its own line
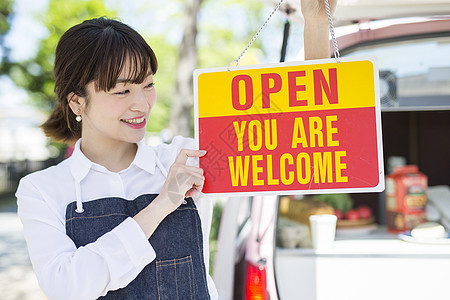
point(140, 102)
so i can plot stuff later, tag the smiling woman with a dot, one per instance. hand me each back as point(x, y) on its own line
point(117, 219)
point(106, 58)
point(114, 117)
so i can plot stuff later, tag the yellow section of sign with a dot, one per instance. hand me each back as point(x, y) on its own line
point(302, 87)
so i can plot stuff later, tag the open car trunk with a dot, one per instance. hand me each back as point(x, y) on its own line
point(351, 11)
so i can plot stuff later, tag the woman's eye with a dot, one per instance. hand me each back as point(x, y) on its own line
point(124, 92)
point(150, 85)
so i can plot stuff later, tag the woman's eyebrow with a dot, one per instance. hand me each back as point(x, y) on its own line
point(126, 80)
point(123, 80)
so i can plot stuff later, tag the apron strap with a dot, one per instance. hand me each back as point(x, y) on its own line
point(160, 166)
point(80, 209)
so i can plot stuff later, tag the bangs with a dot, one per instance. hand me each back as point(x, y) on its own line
point(98, 51)
point(116, 52)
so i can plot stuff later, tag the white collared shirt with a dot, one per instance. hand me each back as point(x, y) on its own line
point(117, 257)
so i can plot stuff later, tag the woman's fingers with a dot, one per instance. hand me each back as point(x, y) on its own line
point(193, 169)
point(186, 153)
point(180, 183)
point(182, 180)
point(198, 180)
point(316, 8)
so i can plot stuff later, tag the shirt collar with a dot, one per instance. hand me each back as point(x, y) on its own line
point(145, 157)
point(81, 165)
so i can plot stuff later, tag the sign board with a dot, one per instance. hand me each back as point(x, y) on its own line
point(293, 128)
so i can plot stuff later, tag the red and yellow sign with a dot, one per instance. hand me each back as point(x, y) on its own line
point(309, 127)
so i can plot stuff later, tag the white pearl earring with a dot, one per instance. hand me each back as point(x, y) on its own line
point(78, 118)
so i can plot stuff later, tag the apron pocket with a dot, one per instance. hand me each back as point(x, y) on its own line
point(175, 278)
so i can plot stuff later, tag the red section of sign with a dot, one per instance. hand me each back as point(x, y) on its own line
point(335, 149)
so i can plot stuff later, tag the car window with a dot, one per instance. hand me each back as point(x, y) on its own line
point(418, 67)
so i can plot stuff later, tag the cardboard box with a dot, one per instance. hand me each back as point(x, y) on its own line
point(405, 198)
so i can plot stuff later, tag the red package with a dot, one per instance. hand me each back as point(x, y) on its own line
point(405, 198)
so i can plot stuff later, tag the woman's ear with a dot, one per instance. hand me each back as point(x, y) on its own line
point(76, 103)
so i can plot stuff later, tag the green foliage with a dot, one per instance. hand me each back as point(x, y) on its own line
point(214, 234)
point(218, 43)
point(36, 74)
point(164, 79)
point(5, 10)
point(217, 216)
point(343, 202)
point(221, 42)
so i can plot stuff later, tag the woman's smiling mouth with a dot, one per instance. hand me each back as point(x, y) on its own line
point(135, 121)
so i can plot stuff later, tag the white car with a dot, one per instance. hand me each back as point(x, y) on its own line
point(253, 263)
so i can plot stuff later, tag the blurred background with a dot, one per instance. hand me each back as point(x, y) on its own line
point(189, 34)
point(184, 35)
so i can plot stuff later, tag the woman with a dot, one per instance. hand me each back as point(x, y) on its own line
point(117, 220)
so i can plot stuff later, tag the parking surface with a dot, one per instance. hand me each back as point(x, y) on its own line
point(17, 279)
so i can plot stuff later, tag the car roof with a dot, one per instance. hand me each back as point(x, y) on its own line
point(382, 30)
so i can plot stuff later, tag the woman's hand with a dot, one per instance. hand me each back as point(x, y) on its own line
point(316, 32)
point(315, 9)
point(182, 180)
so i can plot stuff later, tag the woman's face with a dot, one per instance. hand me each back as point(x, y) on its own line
point(120, 114)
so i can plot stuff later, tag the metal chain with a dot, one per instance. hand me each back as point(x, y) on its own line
point(333, 37)
point(330, 22)
point(256, 35)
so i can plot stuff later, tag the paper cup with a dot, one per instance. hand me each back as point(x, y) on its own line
point(323, 231)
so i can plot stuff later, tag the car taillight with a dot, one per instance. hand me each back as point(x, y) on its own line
point(256, 282)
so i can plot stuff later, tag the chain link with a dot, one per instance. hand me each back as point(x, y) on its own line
point(330, 23)
point(333, 37)
point(256, 35)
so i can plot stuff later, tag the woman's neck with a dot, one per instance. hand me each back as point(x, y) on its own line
point(115, 156)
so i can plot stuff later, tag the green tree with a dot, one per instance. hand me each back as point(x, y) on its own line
point(215, 45)
point(166, 53)
point(6, 11)
point(181, 121)
point(36, 74)
point(221, 43)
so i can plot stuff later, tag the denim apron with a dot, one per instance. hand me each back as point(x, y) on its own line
point(178, 272)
